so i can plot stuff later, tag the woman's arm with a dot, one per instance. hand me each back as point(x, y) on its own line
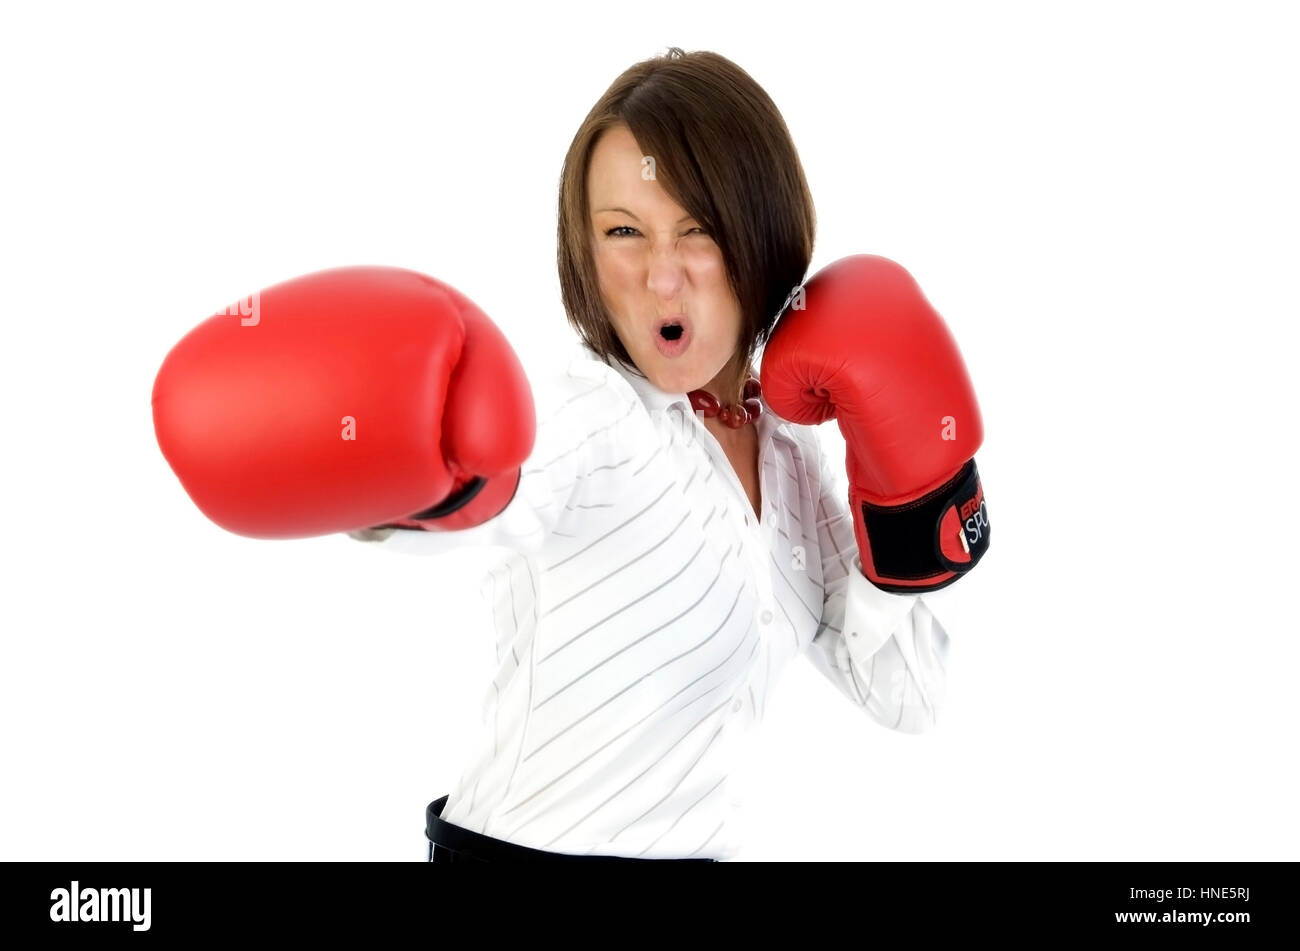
point(886, 653)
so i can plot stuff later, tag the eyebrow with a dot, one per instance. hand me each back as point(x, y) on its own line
point(634, 217)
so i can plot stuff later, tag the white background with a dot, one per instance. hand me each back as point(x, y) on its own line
point(1101, 199)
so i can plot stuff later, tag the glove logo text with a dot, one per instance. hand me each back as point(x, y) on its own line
point(975, 517)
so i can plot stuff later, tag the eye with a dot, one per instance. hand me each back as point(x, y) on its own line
point(610, 232)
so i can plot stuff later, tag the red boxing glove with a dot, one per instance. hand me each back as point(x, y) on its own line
point(343, 400)
point(868, 350)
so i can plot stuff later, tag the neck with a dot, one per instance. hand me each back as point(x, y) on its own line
point(728, 387)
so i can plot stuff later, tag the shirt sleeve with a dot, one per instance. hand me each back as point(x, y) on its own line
point(577, 412)
point(887, 653)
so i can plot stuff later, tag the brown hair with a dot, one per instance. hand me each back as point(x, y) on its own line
point(722, 151)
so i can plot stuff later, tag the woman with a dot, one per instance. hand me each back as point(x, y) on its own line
point(670, 570)
point(674, 543)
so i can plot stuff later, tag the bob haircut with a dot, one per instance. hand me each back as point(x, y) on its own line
point(722, 151)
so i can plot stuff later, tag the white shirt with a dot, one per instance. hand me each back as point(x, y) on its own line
point(645, 615)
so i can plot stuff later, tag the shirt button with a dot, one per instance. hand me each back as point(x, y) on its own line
point(736, 706)
point(766, 617)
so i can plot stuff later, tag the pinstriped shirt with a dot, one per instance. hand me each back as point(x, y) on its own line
point(644, 614)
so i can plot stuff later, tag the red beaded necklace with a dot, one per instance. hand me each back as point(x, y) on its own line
point(735, 415)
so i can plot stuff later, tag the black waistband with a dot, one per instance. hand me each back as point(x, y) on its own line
point(473, 846)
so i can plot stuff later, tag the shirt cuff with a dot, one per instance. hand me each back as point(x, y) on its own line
point(871, 616)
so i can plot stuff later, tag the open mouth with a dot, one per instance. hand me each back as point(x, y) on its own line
point(672, 336)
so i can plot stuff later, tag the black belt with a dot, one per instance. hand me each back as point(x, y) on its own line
point(451, 843)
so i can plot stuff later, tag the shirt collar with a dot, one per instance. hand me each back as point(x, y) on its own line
point(655, 399)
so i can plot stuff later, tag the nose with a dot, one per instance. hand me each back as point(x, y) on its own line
point(666, 271)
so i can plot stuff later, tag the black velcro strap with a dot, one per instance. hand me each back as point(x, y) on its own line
point(919, 546)
point(454, 502)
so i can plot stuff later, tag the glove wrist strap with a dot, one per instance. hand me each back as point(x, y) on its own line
point(474, 501)
point(454, 502)
point(930, 542)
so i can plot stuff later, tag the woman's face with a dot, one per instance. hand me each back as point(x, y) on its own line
point(655, 262)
